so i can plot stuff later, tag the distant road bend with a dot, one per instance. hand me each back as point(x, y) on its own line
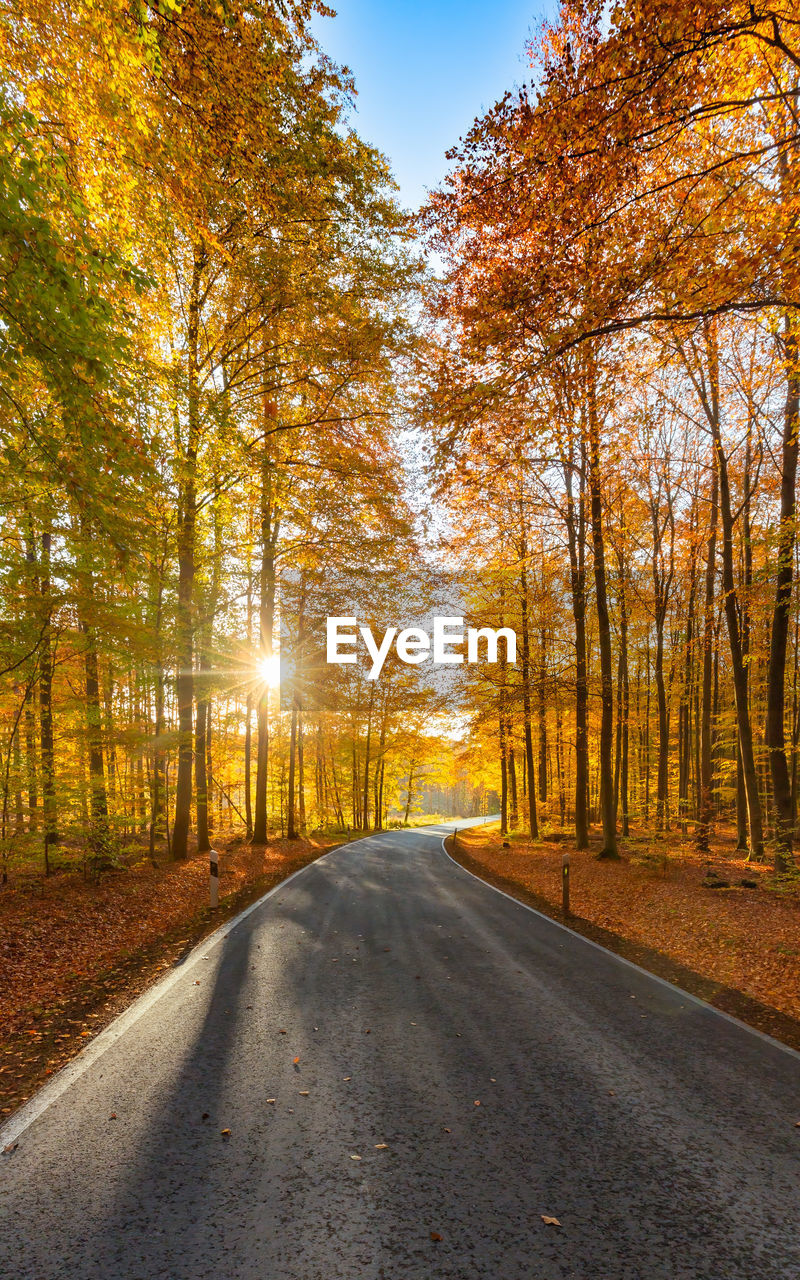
point(416, 1072)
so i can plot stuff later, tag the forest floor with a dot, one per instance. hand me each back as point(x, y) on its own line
point(736, 947)
point(74, 952)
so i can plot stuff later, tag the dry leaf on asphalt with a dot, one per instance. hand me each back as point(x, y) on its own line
point(550, 1222)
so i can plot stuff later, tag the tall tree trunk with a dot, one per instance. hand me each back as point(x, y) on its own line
point(685, 709)
point(742, 832)
point(503, 775)
point(526, 688)
point(301, 776)
point(187, 524)
point(367, 759)
point(159, 777)
point(48, 766)
point(410, 792)
point(739, 670)
point(609, 849)
point(30, 762)
point(336, 794)
point(512, 777)
point(94, 733)
point(269, 529)
point(379, 769)
point(706, 811)
point(776, 675)
point(291, 822)
point(200, 764)
point(576, 541)
point(624, 696)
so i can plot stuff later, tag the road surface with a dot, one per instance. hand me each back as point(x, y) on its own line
point(416, 1072)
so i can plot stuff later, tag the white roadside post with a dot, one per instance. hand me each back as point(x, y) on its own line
point(213, 877)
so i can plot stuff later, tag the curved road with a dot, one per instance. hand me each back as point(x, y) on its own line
point(364, 1009)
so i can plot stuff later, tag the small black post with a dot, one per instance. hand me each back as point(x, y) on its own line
point(565, 884)
point(213, 877)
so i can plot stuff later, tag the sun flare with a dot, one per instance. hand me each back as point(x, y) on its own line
point(269, 669)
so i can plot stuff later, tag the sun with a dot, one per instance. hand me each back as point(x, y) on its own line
point(269, 669)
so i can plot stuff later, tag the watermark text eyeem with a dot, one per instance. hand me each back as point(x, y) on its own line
point(445, 647)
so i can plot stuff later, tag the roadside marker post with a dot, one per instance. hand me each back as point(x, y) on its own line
point(565, 884)
point(213, 877)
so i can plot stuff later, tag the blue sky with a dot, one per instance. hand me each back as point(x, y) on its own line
point(424, 71)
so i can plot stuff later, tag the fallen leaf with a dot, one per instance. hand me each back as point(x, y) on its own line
point(226, 1133)
point(270, 1100)
point(304, 1093)
point(355, 1157)
point(381, 1146)
point(295, 1061)
point(477, 1102)
point(12, 1146)
point(113, 1115)
point(550, 1222)
point(347, 1077)
point(435, 1235)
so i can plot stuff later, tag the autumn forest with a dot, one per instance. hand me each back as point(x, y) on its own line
point(242, 389)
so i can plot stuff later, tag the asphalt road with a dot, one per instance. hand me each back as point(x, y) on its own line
point(364, 1010)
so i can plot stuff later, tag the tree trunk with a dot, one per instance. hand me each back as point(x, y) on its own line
point(526, 692)
point(200, 767)
point(512, 777)
point(97, 786)
point(291, 822)
point(187, 522)
point(781, 784)
point(410, 792)
point(269, 529)
point(739, 670)
point(48, 766)
point(301, 776)
point(503, 776)
point(542, 692)
point(705, 816)
point(365, 806)
point(576, 540)
point(609, 849)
